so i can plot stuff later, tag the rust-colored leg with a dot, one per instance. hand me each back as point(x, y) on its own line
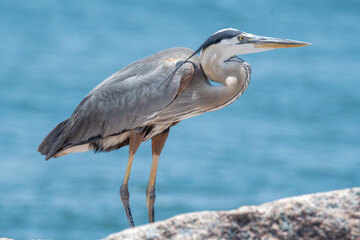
point(157, 146)
point(134, 143)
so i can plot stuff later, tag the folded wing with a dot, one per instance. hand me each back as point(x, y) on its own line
point(126, 100)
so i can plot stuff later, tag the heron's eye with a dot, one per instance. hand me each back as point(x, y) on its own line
point(240, 38)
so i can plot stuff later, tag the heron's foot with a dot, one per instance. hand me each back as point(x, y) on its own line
point(150, 200)
point(125, 196)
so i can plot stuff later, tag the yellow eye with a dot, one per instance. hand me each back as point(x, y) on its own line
point(240, 38)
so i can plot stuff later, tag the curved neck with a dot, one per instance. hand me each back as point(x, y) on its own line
point(233, 73)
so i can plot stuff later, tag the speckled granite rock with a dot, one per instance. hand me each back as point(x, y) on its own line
point(330, 215)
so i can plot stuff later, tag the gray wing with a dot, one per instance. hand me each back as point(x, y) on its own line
point(126, 100)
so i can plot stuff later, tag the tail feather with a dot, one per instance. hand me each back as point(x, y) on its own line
point(54, 141)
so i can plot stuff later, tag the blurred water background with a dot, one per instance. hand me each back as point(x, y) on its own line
point(296, 130)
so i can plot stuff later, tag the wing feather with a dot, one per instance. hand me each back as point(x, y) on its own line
point(126, 100)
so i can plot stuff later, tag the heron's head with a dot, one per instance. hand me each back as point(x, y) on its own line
point(229, 42)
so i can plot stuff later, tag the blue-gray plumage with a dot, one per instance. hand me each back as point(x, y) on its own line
point(125, 101)
point(144, 99)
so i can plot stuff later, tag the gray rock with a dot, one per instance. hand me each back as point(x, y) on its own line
point(330, 215)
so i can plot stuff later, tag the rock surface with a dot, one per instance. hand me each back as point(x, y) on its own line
point(330, 215)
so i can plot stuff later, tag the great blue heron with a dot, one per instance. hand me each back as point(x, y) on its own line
point(144, 99)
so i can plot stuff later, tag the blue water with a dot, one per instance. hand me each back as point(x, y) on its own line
point(296, 130)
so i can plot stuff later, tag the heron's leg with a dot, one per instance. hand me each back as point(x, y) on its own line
point(134, 143)
point(157, 143)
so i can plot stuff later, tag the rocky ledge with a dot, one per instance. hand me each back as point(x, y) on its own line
point(330, 215)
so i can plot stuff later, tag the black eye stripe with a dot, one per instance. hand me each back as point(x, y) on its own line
point(217, 37)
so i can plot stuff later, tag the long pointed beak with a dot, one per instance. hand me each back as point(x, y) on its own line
point(269, 42)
